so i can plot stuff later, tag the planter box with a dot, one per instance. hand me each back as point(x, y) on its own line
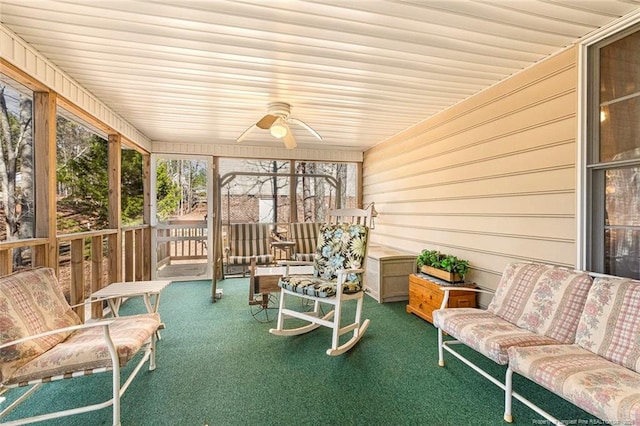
point(443, 275)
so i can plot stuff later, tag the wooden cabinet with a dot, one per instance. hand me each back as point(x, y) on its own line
point(387, 274)
point(425, 296)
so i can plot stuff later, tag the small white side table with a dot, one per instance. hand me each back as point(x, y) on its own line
point(117, 291)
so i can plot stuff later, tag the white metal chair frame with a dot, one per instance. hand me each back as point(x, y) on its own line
point(331, 319)
point(118, 388)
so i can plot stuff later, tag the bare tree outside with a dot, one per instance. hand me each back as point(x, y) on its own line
point(16, 165)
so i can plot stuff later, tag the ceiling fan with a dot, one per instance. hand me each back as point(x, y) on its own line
point(277, 120)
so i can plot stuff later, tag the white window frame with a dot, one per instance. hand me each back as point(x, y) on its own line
point(583, 192)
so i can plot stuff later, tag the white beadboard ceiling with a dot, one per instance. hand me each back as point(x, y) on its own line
point(357, 71)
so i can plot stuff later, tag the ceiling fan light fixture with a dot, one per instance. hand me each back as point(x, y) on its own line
point(278, 129)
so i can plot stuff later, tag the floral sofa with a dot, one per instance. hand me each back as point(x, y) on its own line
point(574, 335)
point(42, 339)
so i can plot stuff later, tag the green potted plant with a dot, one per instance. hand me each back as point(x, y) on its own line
point(444, 266)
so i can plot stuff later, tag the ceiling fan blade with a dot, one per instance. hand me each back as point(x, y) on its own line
point(288, 139)
point(245, 133)
point(266, 121)
point(306, 126)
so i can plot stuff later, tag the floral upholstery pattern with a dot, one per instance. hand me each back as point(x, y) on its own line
point(543, 299)
point(603, 388)
point(610, 324)
point(486, 333)
point(85, 349)
point(341, 246)
point(31, 302)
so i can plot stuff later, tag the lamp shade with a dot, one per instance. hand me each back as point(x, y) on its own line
point(278, 129)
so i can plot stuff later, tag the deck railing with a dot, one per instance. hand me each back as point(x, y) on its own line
point(83, 260)
point(180, 240)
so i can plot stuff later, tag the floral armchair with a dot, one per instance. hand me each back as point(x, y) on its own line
point(42, 340)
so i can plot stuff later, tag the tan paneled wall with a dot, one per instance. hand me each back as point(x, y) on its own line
point(491, 179)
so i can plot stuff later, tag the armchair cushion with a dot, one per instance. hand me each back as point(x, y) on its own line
point(247, 241)
point(305, 235)
point(313, 286)
point(86, 350)
point(31, 302)
point(542, 299)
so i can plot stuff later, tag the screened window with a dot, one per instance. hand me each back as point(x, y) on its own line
point(613, 169)
point(17, 196)
point(82, 173)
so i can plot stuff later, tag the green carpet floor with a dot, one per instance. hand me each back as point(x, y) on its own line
point(218, 366)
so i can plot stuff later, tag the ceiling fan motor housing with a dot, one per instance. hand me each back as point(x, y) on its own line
point(280, 109)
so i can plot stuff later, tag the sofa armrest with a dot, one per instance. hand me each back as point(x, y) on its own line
point(446, 290)
point(105, 323)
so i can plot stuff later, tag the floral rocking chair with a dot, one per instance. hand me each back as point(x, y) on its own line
point(337, 277)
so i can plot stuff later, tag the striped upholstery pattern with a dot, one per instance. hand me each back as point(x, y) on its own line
point(543, 299)
point(305, 235)
point(247, 240)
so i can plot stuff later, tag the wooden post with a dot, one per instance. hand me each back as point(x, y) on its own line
point(146, 217)
point(293, 199)
point(129, 255)
point(140, 250)
point(115, 216)
point(359, 180)
point(44, 138)
point(76, 290)
point(97, 272)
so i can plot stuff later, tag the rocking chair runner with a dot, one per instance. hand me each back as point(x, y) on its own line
point(337, 277)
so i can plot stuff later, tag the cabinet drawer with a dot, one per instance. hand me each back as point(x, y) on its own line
point(425, 296)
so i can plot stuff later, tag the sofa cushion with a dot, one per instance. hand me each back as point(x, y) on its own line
point(543, 299)
point(31, 302)
point(488, 334)
point(600, 387)
point(85, 349)
point(610, 323)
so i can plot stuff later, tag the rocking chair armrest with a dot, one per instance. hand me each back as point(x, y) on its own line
point(446, 290)
point(105, 323)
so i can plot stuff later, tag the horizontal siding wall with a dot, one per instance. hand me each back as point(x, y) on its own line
point(491, 180)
